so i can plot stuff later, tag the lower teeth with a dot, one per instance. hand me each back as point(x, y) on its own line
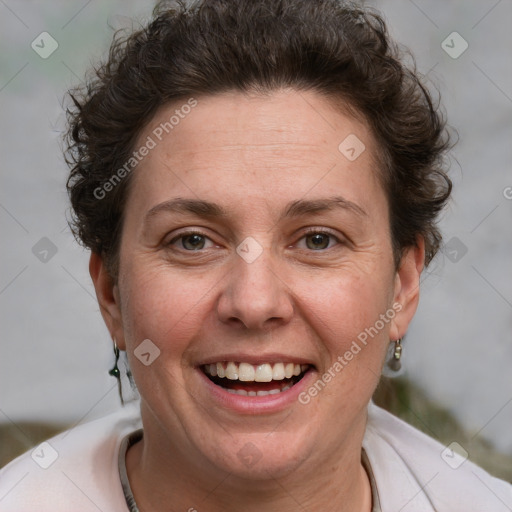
point(243, 392)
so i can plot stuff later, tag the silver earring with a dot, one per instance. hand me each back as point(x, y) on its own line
point(115, 372)
point(395, 363)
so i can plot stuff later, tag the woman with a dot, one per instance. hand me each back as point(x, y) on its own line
point(258, 183)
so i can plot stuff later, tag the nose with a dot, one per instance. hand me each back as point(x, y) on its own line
point(255, 295)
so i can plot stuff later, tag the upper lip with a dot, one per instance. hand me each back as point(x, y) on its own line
point(256, 359)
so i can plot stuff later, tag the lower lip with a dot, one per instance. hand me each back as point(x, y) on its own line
point(257, 404)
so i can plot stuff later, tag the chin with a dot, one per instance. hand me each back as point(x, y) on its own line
point(260, 457)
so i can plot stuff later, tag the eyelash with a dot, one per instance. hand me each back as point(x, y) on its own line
point(308, 231)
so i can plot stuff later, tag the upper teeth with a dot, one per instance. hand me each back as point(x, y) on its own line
point(255, 373)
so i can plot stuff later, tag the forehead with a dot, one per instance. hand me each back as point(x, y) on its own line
point(267, 146)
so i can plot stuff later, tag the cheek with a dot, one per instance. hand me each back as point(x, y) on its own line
point(167, 310)
point(353, 313)
point(163, 307)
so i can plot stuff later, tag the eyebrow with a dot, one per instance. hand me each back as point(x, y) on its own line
point(305, 207)
point(297, 208)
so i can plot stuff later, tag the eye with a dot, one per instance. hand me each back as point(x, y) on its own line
point(319, 240)
point(192, 241)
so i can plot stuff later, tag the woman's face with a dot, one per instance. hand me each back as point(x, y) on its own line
point(255, 245)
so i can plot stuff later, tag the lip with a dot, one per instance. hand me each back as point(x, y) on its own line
point(256, 405)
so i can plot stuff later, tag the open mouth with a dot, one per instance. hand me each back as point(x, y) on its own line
point(255, 380)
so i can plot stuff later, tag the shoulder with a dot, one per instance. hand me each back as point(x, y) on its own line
point(415, 473)
point(76, 470)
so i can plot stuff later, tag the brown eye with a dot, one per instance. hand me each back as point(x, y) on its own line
point(193, 242)
point(318, 241)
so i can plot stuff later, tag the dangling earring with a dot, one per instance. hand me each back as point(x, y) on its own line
point(395, 363)
point(116, 373)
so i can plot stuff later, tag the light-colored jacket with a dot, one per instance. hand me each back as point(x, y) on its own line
point(415, 473)
point(78, 471)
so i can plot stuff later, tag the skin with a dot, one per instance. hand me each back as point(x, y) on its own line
point(253, 155)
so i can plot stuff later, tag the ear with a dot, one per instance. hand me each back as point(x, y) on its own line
point(407, 287)
point(107, 293)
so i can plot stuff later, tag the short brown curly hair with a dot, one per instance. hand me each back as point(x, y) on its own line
point(340, 50)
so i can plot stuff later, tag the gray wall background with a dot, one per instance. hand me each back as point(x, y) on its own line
point(55, 350)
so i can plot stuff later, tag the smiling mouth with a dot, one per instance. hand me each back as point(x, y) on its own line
point(255, 380)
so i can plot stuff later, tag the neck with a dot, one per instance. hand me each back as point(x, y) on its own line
point(336, 483)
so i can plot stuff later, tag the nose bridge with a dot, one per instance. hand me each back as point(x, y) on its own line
point(254, 294)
